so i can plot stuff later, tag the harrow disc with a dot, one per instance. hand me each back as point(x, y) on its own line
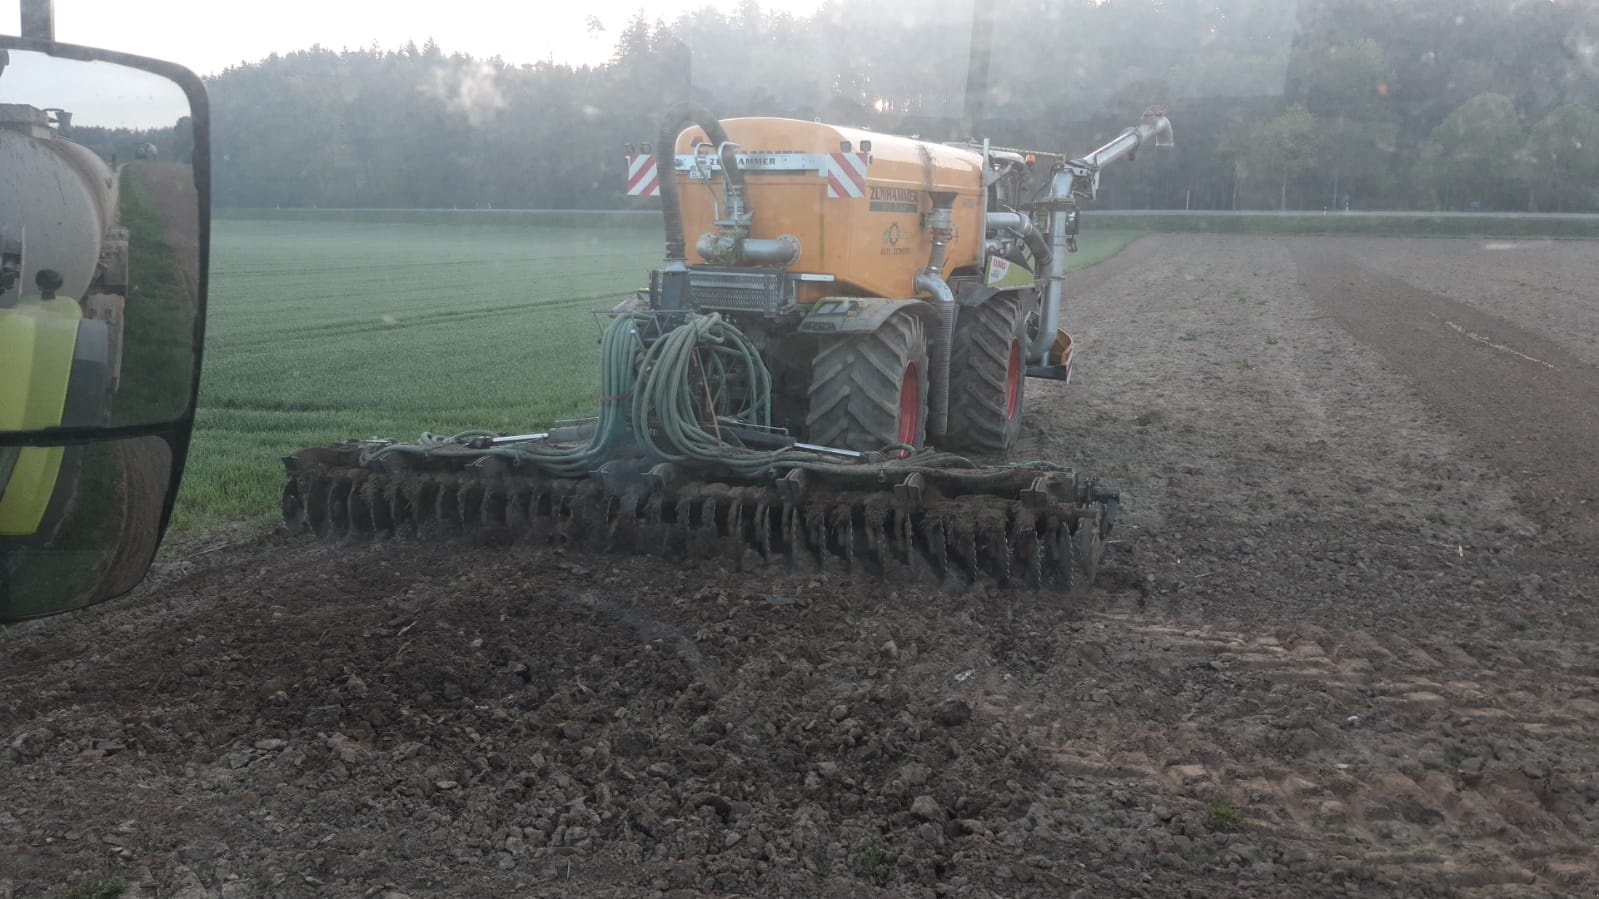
point(1002, 526)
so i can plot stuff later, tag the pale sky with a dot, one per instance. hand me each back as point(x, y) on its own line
point(96, 93)
point(210, 35)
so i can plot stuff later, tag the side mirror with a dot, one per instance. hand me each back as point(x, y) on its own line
point(104, 237)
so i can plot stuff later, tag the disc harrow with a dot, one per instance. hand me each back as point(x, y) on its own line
point(1009, 526)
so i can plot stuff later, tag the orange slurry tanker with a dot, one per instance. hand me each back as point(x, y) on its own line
point(827, 370)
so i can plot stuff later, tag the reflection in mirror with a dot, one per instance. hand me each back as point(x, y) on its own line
point(78, 524)
point(99, 244)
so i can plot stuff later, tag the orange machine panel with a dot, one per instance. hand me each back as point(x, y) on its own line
point(866, 232)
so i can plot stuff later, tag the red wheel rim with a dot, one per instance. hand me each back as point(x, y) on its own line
point(910, 405)
point(1013, 381)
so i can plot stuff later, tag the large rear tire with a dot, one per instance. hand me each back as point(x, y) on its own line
point(988, 375)
point(869, 391)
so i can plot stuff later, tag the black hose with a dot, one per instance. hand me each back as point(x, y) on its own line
point(666, 168)
point(1040, 248)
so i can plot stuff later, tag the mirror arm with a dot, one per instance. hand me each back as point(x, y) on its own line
point(39, 20)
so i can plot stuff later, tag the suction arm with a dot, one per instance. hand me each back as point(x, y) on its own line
point(666, 165)
point(1080, 177)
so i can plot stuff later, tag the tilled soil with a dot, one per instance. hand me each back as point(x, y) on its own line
point(1548, 287)
point(1342, 646)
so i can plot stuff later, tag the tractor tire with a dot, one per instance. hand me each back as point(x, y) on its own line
point(988, 375)
point(869, 391)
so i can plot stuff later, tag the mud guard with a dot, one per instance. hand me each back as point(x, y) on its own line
point(860, 315)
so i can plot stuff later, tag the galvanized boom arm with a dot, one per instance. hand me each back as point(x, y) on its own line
point(1079, 178)
point(1078, 181)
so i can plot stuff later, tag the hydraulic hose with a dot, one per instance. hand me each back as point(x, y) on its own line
point(649, 403)
point(618, 347)
point(931, 280)
point(666, 166)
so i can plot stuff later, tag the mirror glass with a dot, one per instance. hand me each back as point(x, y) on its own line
point(78, 524)
point(99, 245)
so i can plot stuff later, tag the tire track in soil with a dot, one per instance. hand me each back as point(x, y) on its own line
point(1522, 399)
point(1543, 286)
point(1252, 440)
point(1425, 745)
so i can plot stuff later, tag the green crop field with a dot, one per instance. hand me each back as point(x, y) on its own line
point(326, 326)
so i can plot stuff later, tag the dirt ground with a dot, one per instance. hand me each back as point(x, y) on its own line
point(1545, 286)
point(1343, 646)
point(169, 186)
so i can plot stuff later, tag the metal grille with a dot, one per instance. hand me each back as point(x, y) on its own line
point(764, 293)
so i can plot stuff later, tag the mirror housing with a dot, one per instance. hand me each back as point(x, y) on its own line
point(104, 242)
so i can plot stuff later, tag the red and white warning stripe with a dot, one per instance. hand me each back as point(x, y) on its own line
point(642, 178)
point(846, 175)
point(845, 172)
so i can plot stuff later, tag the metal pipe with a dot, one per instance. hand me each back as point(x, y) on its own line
point(931, 280)
point(1010, 219)
point(738, 215)
point(941, 222)
point(829, 450)
point(674, 287)
point(1055, 285)
point(1154, 125)
point(1079, 179)
point(1022, 224)
point(781, 250)
point(724, 249)
point(572, 433)
point(717, 249)
point(666, 168)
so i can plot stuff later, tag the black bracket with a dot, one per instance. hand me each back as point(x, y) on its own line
point(1061, 373)
point(912, 492)
point(791, 486)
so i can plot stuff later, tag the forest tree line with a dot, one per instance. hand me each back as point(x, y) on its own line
point(1373, 104)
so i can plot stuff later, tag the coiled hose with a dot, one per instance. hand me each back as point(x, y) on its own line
point(648, 405)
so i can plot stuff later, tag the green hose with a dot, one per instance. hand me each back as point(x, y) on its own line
point(655, 402)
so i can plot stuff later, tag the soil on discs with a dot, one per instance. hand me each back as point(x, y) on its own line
point(1333, 652)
